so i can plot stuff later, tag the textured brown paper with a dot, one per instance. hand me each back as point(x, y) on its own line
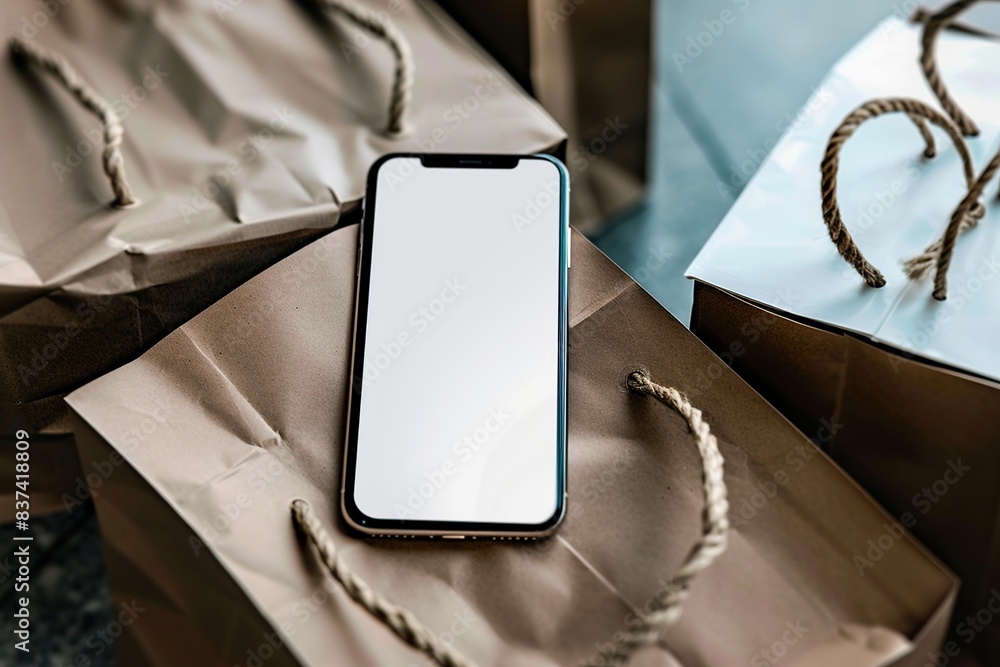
point(898, 426)
point(249, 130)
point(242, 409)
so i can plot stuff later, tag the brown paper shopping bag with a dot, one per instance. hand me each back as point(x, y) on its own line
point(921, 437)
point(237, 131)
point(196, 450)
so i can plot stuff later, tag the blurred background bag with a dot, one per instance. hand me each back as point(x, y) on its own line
point(590, 64)
point(901, 389)
point(248, 131)
point(206, 439)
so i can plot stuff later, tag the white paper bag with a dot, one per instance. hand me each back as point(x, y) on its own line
point(774, 247)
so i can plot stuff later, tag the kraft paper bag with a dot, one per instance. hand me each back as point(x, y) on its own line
point(249, 129)
point(590, 65)
point(899, 388)
point(921, 437)
point(196, 450)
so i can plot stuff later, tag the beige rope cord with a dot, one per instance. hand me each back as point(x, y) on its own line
point(920, 114)
point(957, 223)
point(715, 526)
point(402, 84)
point(54, 63)
point(933, 25)
point(922, 15)
point(403, 623)
point(714, 518)
point(917, 267)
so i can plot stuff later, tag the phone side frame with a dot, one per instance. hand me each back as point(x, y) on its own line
point(450, 530)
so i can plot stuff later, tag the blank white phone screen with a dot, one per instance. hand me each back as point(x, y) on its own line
point(460, 401)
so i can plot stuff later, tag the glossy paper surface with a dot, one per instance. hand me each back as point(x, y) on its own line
point(773, 247)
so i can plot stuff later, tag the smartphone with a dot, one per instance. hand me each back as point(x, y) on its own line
point(456, 422)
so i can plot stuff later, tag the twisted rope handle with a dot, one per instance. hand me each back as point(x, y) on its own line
point(917, 267)
point(402, 83)
point(919, 113)
point(403, 623)
point(922, 15)
point(957, 224)
point(54, 63)
point(714, 518)
point(715, 526)
point(933, 25)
